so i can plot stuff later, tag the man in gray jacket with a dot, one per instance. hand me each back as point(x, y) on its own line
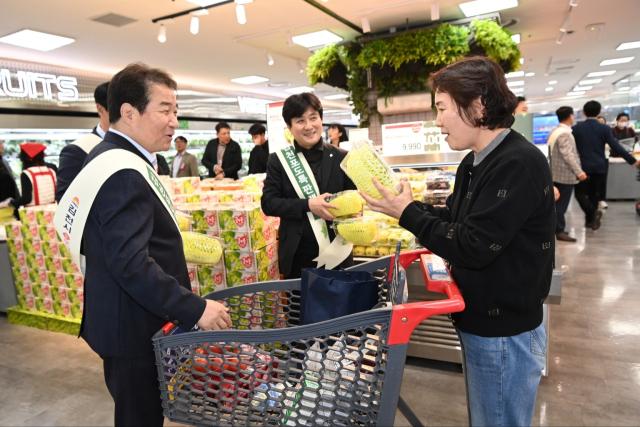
point(565, 167)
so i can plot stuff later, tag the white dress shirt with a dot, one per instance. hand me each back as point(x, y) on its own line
point(140, 148)
point(100, 132)
point(176, 164)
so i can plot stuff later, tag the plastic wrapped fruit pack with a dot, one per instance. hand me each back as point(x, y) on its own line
point(201, 248)
point(184, 221)
point(359, 231)
point(362, 163)
point(349, 203)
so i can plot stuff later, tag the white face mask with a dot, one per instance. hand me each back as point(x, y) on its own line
point(623, 125)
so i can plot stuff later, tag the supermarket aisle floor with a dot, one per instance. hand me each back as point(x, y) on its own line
point(55, 379)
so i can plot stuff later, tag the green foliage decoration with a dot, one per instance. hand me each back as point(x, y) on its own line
point(403, 64)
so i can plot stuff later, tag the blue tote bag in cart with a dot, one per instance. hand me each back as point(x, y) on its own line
point(329, 294)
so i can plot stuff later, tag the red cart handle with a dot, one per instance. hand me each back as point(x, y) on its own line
point(406, 317)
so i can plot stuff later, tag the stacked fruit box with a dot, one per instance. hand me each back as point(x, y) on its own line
point(46, 279)
point(191, 191)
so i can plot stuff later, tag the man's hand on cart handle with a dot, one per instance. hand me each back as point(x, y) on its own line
point(215, 317)
point(389, 204)
point(319, 206)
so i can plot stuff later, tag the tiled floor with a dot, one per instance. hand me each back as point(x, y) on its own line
point(54, 379)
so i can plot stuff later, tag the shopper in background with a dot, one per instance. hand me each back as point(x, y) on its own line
point(8, 187)
point(623, 130)
point(298, 243)
point(260, 154)
point(522, 107)
point(497, 234)
point(183, 164)
point(337, 134)
point(565, 168)
point(602, 120)
point(162, 167)
point(591, 137)
point(38, 182)
point(223, 156)
point(136, 277)
point(72, 156)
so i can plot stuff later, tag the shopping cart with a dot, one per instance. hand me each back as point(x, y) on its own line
point(267, 370)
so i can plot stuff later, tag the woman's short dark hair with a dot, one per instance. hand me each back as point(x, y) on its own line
point(297, 105)
point(257, 129)
point(621, 115)
point(181, 138)
point(564, 113)
point(222, 125)
point(28, 162)
point(344, 137)
point(592, 108)
point(131, 86)
point(477, 77)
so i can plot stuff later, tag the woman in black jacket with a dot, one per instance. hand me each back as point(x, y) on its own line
point(497, 235)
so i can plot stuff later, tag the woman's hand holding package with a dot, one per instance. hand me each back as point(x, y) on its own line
point(389, 204)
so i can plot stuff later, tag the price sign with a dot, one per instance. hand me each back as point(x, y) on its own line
point(403, 139)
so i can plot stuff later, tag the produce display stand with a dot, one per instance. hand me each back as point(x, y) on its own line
point(268, 370)
point(46, 322)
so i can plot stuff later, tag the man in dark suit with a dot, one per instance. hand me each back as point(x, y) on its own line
point(162, 165)
point(136, 278)
point(223, 156)
point(591, 137)
point(72, 156)
point(260, 154)
point(298, 244)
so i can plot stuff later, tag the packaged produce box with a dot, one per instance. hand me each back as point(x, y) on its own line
point(18, 260)
point(205, 217)
point(193, 278)
point(210, 279)
point(238, 278)
point(242, 217)
point(12, 230)
point(27, 216)
point(209, 197)
point(73, 296)
point(56, 279)
point(63, 251)
point(25, 288)
point(33, 247)
point(15, 246)
point(188, 185)
point(74, 281)
point(50, 249)
point(244, 241)
point(44, 305)
point(20, 275)
point(255, 261)
point(53, 264)
point(74, 309)
point(29, 231)
point(47, 234)
point(31, 303)
point(22, 302)
point(41, 290)
point(44, 215)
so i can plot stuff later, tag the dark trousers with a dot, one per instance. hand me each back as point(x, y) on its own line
point(589, 192)
point(133, 384)
point(562, 204)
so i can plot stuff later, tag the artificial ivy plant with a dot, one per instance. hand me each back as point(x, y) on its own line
point(402, 64)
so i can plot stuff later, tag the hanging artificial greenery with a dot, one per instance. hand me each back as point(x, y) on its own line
point(403, 64)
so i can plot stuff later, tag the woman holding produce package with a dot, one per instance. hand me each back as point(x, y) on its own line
point(317, 164)
point(497, 235)
point(38, 181)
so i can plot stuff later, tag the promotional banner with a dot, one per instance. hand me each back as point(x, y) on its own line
point(403, 139)
point(277, 128)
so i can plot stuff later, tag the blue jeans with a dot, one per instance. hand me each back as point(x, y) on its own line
point(502, 376)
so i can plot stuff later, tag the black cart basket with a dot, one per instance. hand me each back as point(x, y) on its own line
point(267, 370)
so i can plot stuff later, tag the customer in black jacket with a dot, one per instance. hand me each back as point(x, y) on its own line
point(260, 153)
point(223, 156)
point(497, 234)
point(298, 245)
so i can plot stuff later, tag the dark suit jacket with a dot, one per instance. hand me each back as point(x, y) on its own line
point(231, 159)
point(591, 136)
point(163, 166)
point(280, 199)
point(258, 158)
point(137, 278)
point(71, 160)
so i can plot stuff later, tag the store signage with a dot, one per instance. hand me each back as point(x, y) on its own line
point(403, 139)
point(276, 126)
point(252, 105)
point(26, 85)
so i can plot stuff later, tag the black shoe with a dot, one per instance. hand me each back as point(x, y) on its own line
point(564, 237)
point(596, 220)
point(588, 224)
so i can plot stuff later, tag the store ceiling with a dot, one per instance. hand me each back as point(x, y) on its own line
point(224, 49)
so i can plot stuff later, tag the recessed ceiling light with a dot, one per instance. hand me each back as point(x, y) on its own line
point(579, 88)
point(218, 100)
point(480, 7)
point(552, 82)
point(629, 45)
point(279, 84)
point(517, 89)
point(624, 88)
point(623, 81)
point(549, 89)
point(589, 82)
point(203, 3)
point(516, 83)
point(514, 74)
point(516, 38)
point(617, 61)
point(580, 92)
point(530, 74)
point(601, 73)
point(301, 89)
point(319, 38)
point(250, 80)
point(36, 40)
point(338, 96)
